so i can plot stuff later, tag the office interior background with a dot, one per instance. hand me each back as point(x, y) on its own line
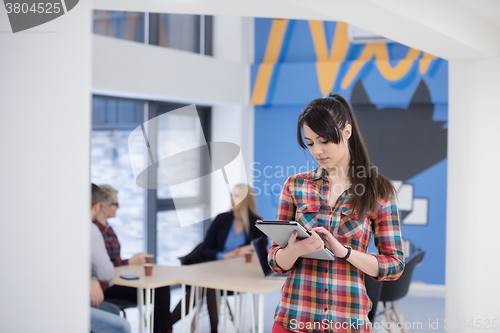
point(424, 86)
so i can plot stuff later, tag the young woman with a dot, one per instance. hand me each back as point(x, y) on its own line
point(229, 236)
point(344, 202)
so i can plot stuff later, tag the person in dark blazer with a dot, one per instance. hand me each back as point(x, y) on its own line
point(229, 236)
point(230, 233)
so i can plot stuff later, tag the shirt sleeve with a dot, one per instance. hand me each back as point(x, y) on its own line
point(286, 212)
point(101, 266)
point(388, 241)
point(113, 247)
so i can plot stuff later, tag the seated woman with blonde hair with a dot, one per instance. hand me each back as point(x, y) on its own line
point(229, 236)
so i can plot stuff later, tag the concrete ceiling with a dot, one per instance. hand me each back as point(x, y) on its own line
point(450, 29)
point(490, 9)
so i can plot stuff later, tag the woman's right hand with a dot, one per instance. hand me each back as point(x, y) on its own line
point(96, 294)
point(307, 245)
point(137, 259)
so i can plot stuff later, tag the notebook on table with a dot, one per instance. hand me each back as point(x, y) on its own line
point(280, 232)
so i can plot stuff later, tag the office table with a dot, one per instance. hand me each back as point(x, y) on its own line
point(231, 274)
point(162, 276)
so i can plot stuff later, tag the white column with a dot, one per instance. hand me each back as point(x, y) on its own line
point(233, 41)
point(473, 228)
point(45, 129)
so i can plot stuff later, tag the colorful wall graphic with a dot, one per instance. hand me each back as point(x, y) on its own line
point(400, 96)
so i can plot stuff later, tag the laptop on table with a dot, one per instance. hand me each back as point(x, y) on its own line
point(260, 247)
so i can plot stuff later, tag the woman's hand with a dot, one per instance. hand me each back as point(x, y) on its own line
point(307, 245)
point(137, 259)
point(229, 255)
point(330, 242)
point(96, 294)
point(286, 257)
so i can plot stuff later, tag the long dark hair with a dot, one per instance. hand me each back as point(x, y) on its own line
point(328, 117)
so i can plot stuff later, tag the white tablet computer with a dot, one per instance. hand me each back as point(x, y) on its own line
point(280, 231)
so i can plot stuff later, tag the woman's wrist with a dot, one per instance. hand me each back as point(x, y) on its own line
point(340, 251)
point(286, 258)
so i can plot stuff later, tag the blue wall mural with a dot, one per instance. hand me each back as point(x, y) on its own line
point(400, 96)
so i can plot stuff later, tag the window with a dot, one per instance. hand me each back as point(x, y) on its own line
point(123, 25)
point(147, 219)
point(191, 33)
point(113, 120)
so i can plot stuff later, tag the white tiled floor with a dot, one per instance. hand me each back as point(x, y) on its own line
point(422, 311)
point(420, 314)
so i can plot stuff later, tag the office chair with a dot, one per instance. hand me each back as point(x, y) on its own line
point(122, 305)
point(373, 290)
point(395, 290)
point(193, 257)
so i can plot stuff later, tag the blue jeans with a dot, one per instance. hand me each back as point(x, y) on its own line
point(106, 322)
point(109, 307)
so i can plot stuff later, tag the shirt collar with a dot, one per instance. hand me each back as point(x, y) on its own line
point(320, 172)
point(100, 226)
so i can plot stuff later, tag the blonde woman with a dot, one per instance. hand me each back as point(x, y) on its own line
point(229, 236)
point(230, 233)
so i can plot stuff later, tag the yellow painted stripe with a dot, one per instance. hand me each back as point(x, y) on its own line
point(379, 51)
point(262, 84)
point(275, 40)
point(327, 73)
point(319, 40)
point(352, 72)
point(398, 71)
point(327, 66)
point(425, 62)
point(340, 42)
point(265, 71)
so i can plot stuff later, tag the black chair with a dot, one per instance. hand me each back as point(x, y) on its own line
point(373, 290)
point(193, 257)
point(395, 290)
point(122, 304)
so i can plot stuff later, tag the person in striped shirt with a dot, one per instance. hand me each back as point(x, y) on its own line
point(343, 203)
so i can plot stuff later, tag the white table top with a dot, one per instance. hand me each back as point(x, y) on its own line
point(162, 276)
point(231, 274)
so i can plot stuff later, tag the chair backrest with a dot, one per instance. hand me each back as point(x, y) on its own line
point(394, 290)
point(194, 257)
point(373, 290)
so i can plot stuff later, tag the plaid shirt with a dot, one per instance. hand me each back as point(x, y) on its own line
point(112, 246)
point(330, 296)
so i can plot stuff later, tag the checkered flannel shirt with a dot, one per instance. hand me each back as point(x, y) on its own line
point(112, 246)
point(330, 296)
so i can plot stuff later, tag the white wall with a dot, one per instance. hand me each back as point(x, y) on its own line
point(472, 244)
point(233, 122)
point(44, 174)
point(131, 69)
